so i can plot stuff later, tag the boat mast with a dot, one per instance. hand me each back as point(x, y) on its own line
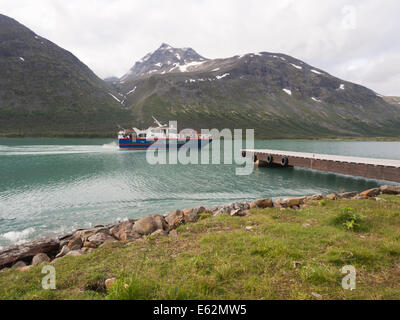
point(158, 122)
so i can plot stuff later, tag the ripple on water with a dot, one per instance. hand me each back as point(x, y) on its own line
point(51, 186)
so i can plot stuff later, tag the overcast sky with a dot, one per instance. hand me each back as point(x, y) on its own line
point(357, 40)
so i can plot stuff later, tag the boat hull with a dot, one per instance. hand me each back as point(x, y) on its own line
point(143, 144)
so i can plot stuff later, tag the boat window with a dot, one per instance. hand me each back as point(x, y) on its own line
point(142, 135)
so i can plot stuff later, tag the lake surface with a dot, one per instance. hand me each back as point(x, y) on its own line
point(53, 186)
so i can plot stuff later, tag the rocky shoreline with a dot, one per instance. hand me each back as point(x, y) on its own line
point(83, 241)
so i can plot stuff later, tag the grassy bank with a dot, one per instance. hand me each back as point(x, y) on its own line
point(271, 254)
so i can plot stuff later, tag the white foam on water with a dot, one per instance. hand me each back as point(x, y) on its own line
point(112, 145)
point(16, 236)
point(55, 149)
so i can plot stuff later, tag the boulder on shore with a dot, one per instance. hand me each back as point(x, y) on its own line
point(315, 197)
point(279, 203)
point(346, 195)
point(25, 269)
point(263, 204)
point(234, 209)
point(192, 215)
point(150, 224)
point(63, 252)
point(39, 258)
point(393, 190)
point(159, 233)
point(359, 197)
point(28, 251)
point(332, 196)
point(84, 234)
point(75, 253)
point(124, 232)
point(175, 219)
point(19, 265)
point(98, 239)
point(75, 243)
point(289, 202)
point(371, 193)
point(294, 202)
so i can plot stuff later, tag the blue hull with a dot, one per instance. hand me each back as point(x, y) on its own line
point(143, 144)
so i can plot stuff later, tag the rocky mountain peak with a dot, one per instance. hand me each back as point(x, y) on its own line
point(166, 59)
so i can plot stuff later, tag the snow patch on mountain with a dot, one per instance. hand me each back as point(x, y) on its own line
point(132, 91)
point(176, 65)
point(296, 66)
point(316, 72)
point(183, 68)
point(223, 76)
point(115, 97)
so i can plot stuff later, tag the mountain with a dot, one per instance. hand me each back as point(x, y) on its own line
point(46, 90)
point(165, 59)
point(277, 95)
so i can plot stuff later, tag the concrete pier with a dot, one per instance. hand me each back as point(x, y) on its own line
point(379, 169)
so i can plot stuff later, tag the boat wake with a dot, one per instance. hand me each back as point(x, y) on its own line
point(56, 149)
point(111, 146)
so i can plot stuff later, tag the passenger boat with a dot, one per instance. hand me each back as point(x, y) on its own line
point(167, 136)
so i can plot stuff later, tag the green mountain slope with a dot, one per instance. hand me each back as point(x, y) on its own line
point(278, 95)
point(46, 90)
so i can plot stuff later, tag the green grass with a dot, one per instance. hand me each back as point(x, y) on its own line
point(218, 258)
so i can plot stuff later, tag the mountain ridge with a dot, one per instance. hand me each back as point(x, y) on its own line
point(266, 91)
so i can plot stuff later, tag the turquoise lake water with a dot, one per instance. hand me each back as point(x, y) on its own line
point(53, 186)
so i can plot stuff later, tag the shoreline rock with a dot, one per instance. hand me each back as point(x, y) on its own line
point(27, 251)
point(83, 241)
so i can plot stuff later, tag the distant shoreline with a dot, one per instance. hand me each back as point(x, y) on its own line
point(99, 135)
